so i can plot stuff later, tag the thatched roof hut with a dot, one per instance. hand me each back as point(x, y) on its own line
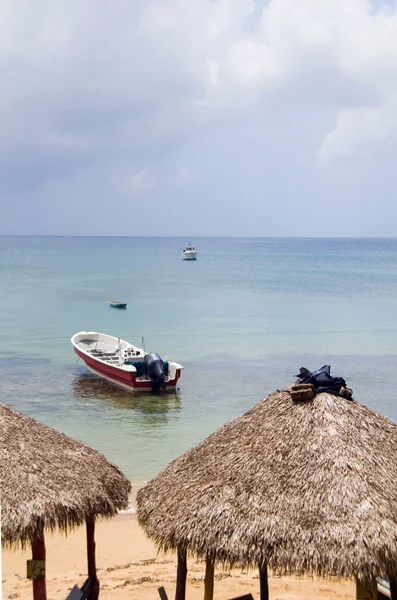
point(304, 487)
point(49, 481)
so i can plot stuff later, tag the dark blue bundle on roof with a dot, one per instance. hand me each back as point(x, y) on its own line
point(322, 381)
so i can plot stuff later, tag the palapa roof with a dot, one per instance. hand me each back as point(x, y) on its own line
point(306, 487)
point(48, 480)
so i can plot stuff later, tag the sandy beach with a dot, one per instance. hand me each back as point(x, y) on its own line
point(130, 567)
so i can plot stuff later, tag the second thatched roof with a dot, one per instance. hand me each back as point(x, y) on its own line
point(306, 487)
point(48, 480)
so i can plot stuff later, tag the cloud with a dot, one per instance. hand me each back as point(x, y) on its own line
point(187, 174)
point(172, 65)
point(141, 182)
point(359, 132)
point(225, 85)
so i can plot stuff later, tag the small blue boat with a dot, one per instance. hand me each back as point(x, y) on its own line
point(117, 304)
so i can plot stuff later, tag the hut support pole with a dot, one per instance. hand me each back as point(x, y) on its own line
point(393, 589)
point(91, 563)
point(181, 574)
point(209, 579)
point(263, 582)
point(39, 582)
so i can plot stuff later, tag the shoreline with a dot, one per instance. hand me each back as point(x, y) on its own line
point(135, 487)
point(129, 566)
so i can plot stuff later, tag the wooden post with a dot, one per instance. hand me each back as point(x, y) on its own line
point(180, 592)
point(209, 579)
point(366, 590)
point(90, 528)
point(263, 582)
point(393, 588)
point(37, 569)
point(1, 551)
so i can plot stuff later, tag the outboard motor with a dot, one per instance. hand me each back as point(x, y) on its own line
point(155, 367)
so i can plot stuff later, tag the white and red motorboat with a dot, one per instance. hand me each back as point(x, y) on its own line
point(124, 364)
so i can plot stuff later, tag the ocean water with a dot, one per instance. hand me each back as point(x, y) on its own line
point(241, 320)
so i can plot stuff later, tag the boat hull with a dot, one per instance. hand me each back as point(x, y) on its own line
point(121, 377)
point(117, 304)
point(189, 255)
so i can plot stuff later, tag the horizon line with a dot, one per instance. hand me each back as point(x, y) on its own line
point(268, 237)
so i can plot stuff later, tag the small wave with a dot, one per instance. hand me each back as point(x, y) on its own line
point(128, 511)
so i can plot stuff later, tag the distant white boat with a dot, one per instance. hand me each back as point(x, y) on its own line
point(189, 252)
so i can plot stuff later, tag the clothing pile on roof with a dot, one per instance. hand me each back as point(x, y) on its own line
point(311, 383)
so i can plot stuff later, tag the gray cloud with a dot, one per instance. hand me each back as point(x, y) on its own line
point(274, 104)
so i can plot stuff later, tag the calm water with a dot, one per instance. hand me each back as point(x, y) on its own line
point(241, 319)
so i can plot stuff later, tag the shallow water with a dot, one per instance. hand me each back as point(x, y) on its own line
point(241, 320)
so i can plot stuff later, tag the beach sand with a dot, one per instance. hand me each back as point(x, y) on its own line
point(129, 567)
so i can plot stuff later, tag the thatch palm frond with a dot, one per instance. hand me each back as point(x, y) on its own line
point(48, 480)
point(306, 487)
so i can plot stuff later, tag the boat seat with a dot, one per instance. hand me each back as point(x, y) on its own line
point(140, 366)
point(108, 353)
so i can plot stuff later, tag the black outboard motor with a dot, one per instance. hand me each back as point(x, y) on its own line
point(155, 367)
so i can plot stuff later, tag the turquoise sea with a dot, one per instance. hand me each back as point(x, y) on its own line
point(241, 320)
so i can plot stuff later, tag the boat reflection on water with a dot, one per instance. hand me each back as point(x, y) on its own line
point(88, 386)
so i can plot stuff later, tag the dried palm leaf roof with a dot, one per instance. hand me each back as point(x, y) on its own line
point(306, 487)
point(48, 480)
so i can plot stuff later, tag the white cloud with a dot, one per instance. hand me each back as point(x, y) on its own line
point(187, 174)
point(141, 182)
point(108, 87)
point(359, 132)
point(159, 68)
point(340, 55)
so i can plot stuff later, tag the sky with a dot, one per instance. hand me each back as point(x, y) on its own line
point(198, 118)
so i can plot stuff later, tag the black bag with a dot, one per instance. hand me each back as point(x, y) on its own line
point(322, 380)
